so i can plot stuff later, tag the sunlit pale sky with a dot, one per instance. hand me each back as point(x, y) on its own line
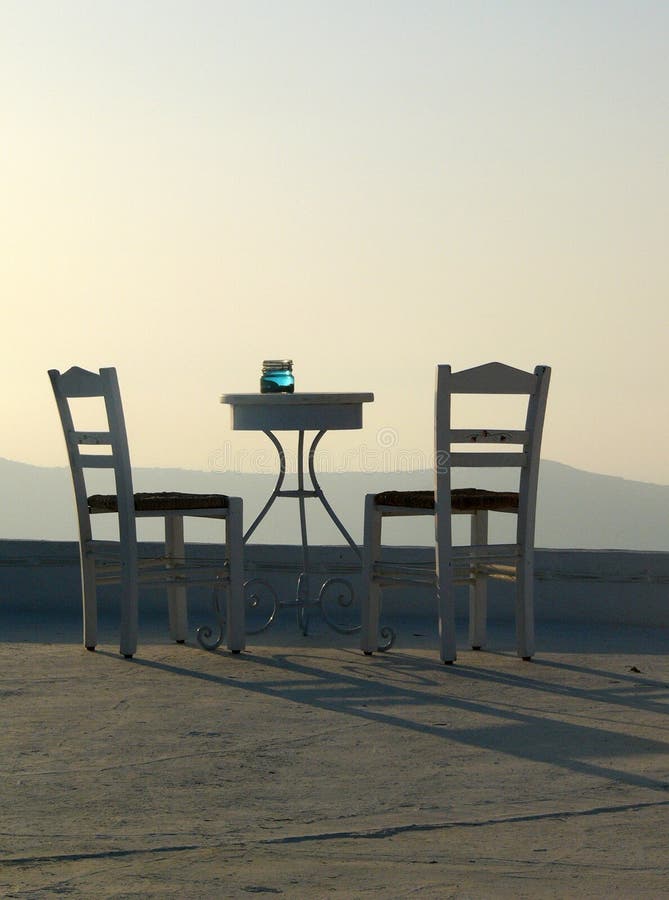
point(370, 188)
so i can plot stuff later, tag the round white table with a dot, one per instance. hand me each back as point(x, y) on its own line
point(300, 412)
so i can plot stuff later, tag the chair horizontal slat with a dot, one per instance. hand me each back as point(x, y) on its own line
point(96, 461)
point(485, 436)
point(110, 565)
point(387, 511)
point(496, 568)
point(463, 577)
point(390, 582)
point(100, 548)
point(92, 437)
point(157, 577)
point(486, 552)
point(487, 460)
point(208, 512)
point(397, 574)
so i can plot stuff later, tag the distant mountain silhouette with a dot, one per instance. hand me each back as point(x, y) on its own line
point(576, 509)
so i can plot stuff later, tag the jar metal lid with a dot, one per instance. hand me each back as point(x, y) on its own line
point(272, 365)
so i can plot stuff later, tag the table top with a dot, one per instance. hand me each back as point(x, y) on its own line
point(295, 399)
point(296, 412)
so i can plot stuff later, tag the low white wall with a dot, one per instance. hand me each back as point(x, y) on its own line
point(618, 587)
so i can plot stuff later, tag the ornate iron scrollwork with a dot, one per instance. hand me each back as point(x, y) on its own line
point(257, 592)
point(345, 599)
point(205, 632)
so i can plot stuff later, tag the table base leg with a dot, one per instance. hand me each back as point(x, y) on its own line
point(261, 598)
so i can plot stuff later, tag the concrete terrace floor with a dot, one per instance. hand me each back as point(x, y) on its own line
point(304, 769)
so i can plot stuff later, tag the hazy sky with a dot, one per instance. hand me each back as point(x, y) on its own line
point(367, 187)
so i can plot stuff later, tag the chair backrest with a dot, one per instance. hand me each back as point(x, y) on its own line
point(492, 378)
point(79, 383)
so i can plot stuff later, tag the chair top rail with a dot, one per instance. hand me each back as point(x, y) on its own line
point(78, 382)
point(492, 378)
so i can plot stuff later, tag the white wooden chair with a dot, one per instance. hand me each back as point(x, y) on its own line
point(104, 562)
point(474, 563)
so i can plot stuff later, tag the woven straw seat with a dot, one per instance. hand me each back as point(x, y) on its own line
point(161, 501)
point(462, 500)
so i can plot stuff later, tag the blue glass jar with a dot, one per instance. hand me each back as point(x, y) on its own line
point(277, 377)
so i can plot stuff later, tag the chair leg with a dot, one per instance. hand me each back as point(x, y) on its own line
point(129, 601)
point(236, 612)
point(370, 606)
point(525, 606)
point(446, 606)
point(177, 602)
point(89, 600)
point(479, 589)
point(445, 592)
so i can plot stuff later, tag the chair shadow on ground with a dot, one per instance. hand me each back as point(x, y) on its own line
point(401, 689)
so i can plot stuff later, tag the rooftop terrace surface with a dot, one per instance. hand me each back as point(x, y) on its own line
point(304, 769)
